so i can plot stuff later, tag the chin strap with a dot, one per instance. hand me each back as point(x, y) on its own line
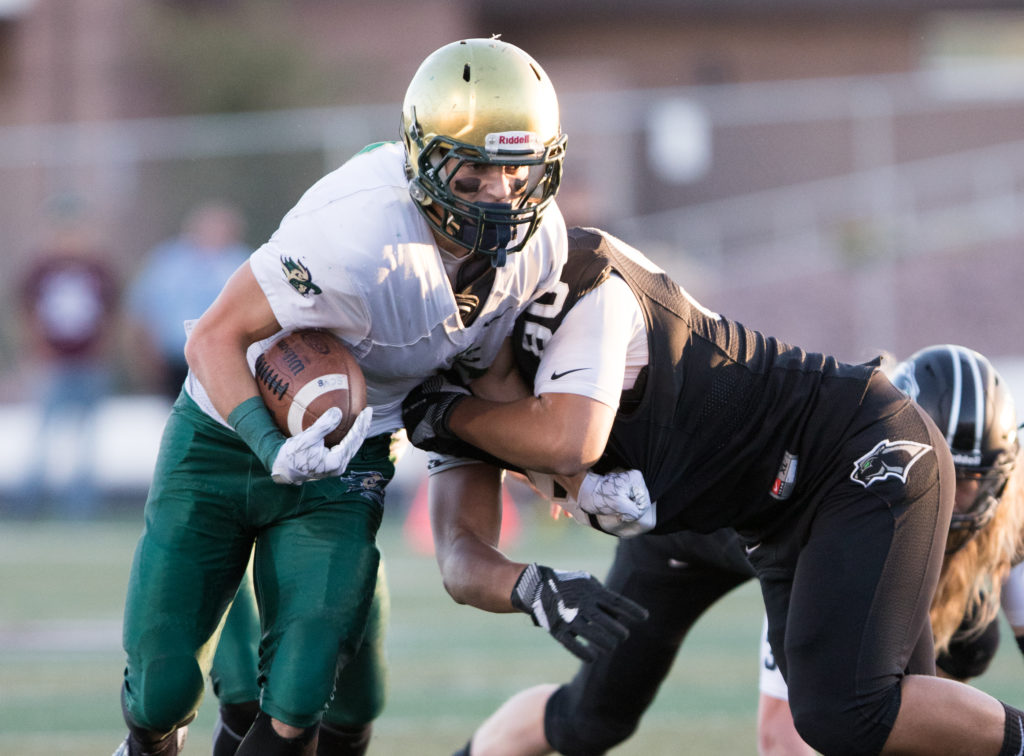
point(498, 257)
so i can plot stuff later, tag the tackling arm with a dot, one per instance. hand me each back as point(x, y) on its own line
point(562, 434)
point(573, 428)
point(579, 612)
point(557, 433)
point(465, 517)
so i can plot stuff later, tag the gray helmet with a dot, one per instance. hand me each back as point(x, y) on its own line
point(972, 405)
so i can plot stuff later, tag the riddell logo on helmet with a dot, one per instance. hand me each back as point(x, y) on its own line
point(518, 142)
point(970, 459)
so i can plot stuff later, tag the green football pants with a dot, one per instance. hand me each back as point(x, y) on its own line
point(361, 687)
point(314, 565)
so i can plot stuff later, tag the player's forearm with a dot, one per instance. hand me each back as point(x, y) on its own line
point(478, 575)
point(465, 520)
point(553, 433)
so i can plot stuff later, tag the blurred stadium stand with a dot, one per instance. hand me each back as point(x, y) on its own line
point(128, 439)
point(128, 435)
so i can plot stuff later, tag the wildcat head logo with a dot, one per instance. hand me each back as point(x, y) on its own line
point(369, 484)
point(889, 459)
point(299, 277)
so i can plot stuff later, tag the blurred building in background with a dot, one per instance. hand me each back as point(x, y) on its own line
point(848, 176)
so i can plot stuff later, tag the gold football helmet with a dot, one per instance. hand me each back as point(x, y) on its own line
point(482, 102)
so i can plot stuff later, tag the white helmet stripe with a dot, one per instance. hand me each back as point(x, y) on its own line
point(954, 405)
point(979, 400)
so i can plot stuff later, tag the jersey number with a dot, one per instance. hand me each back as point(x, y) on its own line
point(535, 336)
point(546, 307)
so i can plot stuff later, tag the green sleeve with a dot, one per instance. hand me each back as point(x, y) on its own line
point(252, 421)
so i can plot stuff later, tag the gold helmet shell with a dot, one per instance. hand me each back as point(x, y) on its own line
point(482, 101)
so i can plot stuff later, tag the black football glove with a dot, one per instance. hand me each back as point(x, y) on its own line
point(576, 609)
point(425, 413)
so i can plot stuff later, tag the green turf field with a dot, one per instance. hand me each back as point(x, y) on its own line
point(60, 659)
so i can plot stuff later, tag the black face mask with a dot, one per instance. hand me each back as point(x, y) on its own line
point(966, 525)
point(494, 237)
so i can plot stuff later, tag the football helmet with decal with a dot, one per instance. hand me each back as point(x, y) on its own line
point(480, 104)
point(973, 407)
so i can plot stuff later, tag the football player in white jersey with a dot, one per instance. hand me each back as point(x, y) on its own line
point(418, 254)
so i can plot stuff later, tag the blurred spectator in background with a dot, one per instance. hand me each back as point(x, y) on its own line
point(179, 279)
point(69, 298)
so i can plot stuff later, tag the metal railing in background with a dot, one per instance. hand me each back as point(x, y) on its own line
point(915, 208)
point(898, 197)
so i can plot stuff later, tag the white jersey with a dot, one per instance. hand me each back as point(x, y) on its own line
point(356, 257)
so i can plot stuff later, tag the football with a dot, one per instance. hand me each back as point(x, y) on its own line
point(306, 372)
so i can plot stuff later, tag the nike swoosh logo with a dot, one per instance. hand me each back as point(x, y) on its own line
point(556, 376)
point(751, 549)
point(677, 563)
point(566, 613)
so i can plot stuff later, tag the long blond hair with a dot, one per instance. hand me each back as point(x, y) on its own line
point(971, 580)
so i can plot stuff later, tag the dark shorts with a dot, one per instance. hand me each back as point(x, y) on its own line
point(847, 590)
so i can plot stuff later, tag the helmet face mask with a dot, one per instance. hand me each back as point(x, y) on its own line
point(972, 405)
point(476, 106)
point(966, 524)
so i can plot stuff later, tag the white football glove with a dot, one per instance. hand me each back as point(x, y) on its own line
point(305, 457)
point(617, 503)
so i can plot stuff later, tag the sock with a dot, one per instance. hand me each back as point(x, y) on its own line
point(263, 740)
point(233, 721)
point(146, 743)
point(340, 740)
point(1013, 733)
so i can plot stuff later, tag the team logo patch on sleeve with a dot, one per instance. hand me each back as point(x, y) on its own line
point(299, 277)
point(889, 459)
